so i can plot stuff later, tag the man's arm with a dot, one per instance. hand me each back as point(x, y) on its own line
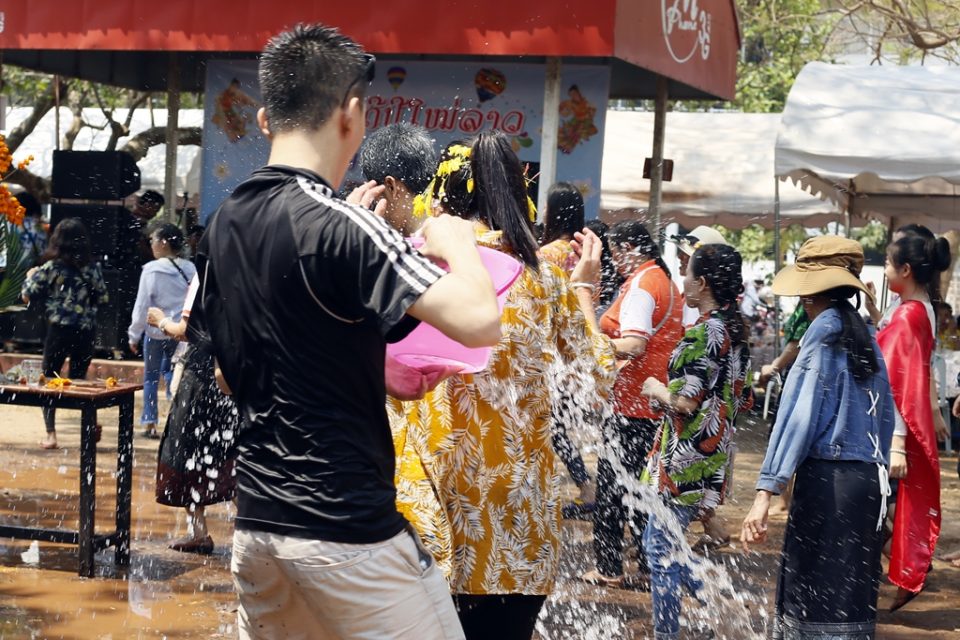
point(461, 304)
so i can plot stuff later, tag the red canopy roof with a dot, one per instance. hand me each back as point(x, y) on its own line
point(693, 42)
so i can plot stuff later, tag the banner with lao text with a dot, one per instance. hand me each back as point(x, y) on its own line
point(452, 100)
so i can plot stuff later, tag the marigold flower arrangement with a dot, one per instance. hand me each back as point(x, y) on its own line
point(11, 222)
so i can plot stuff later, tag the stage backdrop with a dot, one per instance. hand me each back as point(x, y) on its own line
point(452, 100)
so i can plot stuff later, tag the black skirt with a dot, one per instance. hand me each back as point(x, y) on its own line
point(830, 567)
point(197, 451)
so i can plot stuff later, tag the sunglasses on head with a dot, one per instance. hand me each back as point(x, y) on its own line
point(368, 73)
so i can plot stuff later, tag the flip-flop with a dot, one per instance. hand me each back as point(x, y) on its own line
point(49, 446)
point(597, 578)
point(903, 598)
point(706, 544)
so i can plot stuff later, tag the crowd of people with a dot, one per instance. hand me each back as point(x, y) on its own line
point(379, 500)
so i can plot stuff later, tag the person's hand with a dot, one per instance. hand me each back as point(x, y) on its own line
point(871, 305)
point(134, 347)
point(407, 383)
point(956, 408)
point(939, 426)
point(589, 248)
point(898, 465)
point(767, 371)
point(652, 388)
point(368, 193)
point(754, 529)
point(154, 316)
point(445, 236)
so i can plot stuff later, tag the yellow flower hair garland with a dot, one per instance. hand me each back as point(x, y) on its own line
point(458, 156)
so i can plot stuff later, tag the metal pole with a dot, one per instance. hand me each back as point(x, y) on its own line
point(777, 263)
point(172, 138)
point(548, 143)
point(656, 165)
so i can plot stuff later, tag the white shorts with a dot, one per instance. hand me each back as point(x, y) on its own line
point(296, 588)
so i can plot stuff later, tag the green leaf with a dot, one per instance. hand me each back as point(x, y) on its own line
point(16, 271)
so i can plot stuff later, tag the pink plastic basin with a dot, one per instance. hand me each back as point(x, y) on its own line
point(426, 346)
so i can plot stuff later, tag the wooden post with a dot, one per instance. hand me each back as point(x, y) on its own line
point(656, 165)
point(548, 143)
point(172, 138)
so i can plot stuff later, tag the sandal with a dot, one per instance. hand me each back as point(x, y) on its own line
point(49, 446)
point(595, 577)
point(706, 544)
point(202, 546)
point(903, 597)
point(151, 433)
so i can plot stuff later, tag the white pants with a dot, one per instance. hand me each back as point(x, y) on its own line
point(296, 588)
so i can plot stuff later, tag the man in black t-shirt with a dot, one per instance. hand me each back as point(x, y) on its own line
point(300, 293)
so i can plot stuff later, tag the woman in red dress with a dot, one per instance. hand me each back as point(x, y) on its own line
point(914, 263)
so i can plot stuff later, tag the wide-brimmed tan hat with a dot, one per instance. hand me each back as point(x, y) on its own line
point(823, 263)
point(689, 242)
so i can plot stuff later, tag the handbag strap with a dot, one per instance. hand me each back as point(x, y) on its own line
point(177, 267)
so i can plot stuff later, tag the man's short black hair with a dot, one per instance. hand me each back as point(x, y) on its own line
point(151, 197)
point(305, 74)
point(401, 150)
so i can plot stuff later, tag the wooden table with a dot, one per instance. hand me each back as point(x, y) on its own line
point(88, 397)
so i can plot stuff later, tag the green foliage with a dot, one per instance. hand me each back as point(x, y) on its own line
point(16, 271)
point(756, 243)
point(779, 37)
point(874, 238)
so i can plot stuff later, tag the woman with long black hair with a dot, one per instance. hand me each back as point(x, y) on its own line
point(705, 391)
point(833, 431)
point(488, 434)
point(70, 286)
point(915, 260)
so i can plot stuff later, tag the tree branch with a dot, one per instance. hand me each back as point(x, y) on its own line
point(138, 145)
point(43, 104)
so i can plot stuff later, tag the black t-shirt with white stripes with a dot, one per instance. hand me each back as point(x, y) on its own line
point(300, 293)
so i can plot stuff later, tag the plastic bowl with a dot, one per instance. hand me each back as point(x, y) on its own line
point(426, 346)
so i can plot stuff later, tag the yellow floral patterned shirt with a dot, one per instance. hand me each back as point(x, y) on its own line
point(476, 470)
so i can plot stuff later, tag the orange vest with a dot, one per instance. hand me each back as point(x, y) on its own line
point(668, 329)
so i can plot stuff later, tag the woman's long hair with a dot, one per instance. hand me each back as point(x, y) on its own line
point(565, 212)
point(485, 181)
point(926, 254)
point(610, 278)
point(855, 338)
point(69, 243)
point(722, 268)
point(634, 234)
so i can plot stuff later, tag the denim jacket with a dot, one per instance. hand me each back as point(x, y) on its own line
point(824, 412)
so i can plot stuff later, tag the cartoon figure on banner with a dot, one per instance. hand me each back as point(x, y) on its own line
point(521, 141)
point(396, 76)
point(490, 83)
point(235, 112)
point(577, 125)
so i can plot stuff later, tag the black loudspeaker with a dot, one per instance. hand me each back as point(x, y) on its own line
point(113, 318)
point(105, 225)
point(94, 175)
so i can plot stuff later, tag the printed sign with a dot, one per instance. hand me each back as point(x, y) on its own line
point(452, 100)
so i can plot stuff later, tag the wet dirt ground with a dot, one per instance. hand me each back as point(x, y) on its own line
point(165, 594)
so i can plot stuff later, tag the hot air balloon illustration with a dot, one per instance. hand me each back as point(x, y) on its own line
point(490, 83)
point(396, 76)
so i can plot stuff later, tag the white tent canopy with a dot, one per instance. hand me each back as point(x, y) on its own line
point(41, 142)
point(723, 171)
point(881, 141)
